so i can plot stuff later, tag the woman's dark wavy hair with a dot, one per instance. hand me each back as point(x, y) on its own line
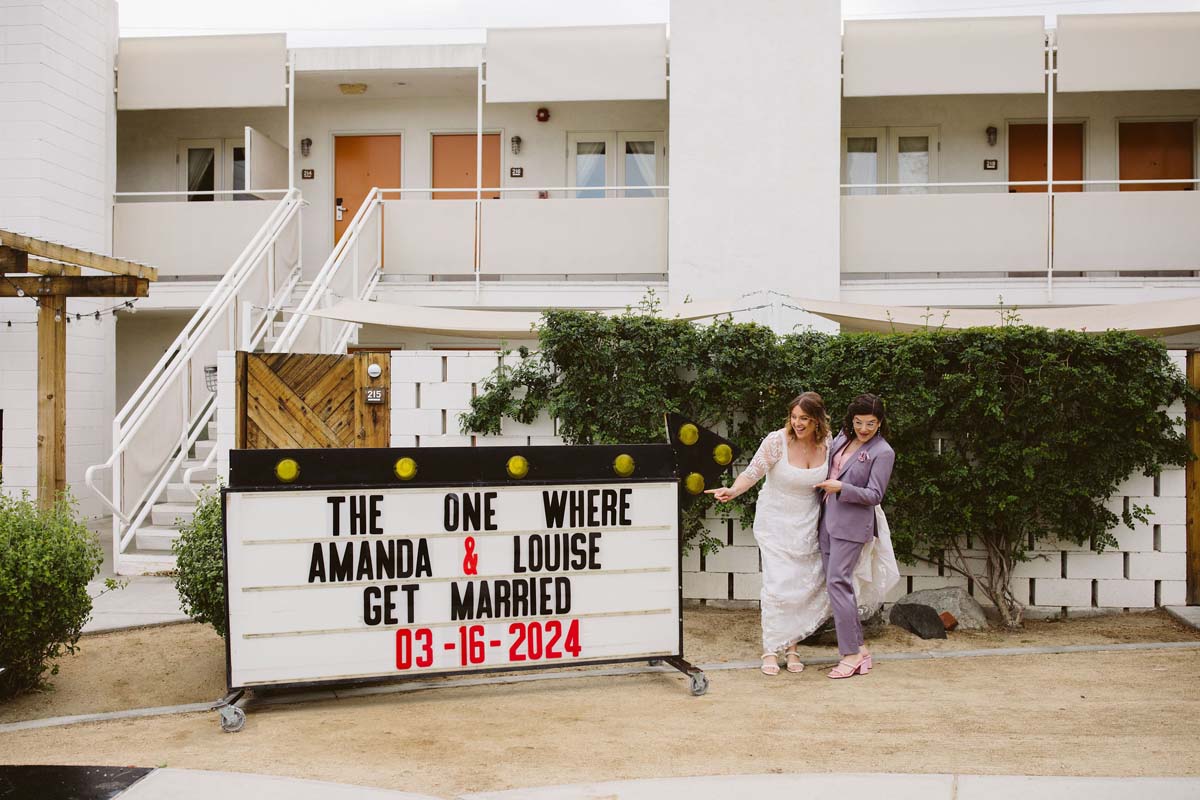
point(863, 405)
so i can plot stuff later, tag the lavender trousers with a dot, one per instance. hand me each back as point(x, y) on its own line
point(839, 558)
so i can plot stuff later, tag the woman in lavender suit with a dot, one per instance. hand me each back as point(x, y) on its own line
point(860, 465)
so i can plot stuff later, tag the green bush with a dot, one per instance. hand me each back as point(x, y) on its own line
point(200, 576)
point(47, 557)
point(1003, 436)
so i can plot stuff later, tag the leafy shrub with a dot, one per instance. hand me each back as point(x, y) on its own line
point(47, 557)
point(1003, 436)
point(200, 576)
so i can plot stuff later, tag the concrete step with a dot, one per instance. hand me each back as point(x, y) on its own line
point(206, 475)
point(168, 514)
point(155, 538)
point(203, 447)
point(178, 492)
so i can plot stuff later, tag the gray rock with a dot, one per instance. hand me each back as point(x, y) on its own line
point(966, 609)
point(918, 619)
point(872, 626)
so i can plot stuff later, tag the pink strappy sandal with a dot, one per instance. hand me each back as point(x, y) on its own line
point(844, 669)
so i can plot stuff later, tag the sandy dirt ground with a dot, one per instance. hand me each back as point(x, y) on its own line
point(1123, 714)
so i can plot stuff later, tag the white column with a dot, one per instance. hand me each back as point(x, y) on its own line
point(754, 140)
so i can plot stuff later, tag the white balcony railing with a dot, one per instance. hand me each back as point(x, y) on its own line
point(418, 236)
point(185, 239)
point(994, 231)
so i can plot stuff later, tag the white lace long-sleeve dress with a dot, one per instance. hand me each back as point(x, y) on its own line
point(793, 599)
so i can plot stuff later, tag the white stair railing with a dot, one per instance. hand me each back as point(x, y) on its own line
point(155, 430)
point(351, 272)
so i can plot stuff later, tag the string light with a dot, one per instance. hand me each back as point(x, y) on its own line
point(97, 315)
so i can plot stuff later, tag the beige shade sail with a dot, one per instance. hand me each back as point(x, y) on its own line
point(1161, 318)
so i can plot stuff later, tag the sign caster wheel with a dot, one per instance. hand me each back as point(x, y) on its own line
point(699, 684)
point(233, 719)
point(654, 662)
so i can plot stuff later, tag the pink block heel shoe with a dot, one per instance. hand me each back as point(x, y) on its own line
point(845, 669)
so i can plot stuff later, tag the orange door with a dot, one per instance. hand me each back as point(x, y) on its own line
point(1156, 151)
point(454, 165)
point(359, 163)
point(1027, 156)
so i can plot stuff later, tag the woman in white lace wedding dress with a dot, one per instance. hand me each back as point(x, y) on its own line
point(793, 599)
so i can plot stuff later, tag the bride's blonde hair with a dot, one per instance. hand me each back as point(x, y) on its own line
point(812, 404)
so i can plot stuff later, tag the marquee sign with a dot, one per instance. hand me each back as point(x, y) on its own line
point(373, 564)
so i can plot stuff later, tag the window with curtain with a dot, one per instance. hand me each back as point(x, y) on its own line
point(591, 164)
point(862, 162)
point(912, 159)
point(640, 168)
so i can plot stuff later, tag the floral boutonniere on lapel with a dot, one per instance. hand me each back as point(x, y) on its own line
point(864, 457)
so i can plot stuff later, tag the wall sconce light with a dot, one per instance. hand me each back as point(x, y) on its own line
point(516, 145)
point(543, 115)
point(305, 146)
point(992, 133)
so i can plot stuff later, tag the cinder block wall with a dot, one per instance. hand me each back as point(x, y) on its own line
point(1146, 569)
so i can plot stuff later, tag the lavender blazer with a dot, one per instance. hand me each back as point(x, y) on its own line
point(850, 514)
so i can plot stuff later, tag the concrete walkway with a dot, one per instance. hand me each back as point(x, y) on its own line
point(143, 601)
point(182, 784)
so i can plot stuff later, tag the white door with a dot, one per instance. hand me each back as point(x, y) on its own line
point(641, 161)
point(591, 162)
point(200, 167)
point(863, 158)
point(912, 158)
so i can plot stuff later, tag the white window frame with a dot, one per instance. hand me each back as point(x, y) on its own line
point(880, 136)
point(181, 160)
point(610, 162)
point(222, 166)
point(888, 137)
point(893, 154)
point(660, 154)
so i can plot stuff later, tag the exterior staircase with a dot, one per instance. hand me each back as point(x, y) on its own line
point(169, 422)
point(166, 518)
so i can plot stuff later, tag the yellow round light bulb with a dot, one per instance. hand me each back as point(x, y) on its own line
point(723, 454)
point(694, 483)
point(287, 470)
point(517, 467)
point(406, 469)
point(689, 434)
point(623, 465)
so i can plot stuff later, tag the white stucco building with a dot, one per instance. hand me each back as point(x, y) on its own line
point(760, 147)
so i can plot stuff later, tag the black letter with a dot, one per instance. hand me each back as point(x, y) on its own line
point(625, 493)
point(341, 568)
point(336, 502)
point(410, 589)
point(592, 520)
point(462, 607)
point(594, 550)
point(376, 499)
point(389, 604)
point(562, 595)
point(358, 514)
point(489, 513)
point(517, 567)
point(450, 515)
point(370, 610)
point(423, 568)
point(555, 505)
point(316, 567)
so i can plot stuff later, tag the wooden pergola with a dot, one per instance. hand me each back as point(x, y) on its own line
point(51, 273)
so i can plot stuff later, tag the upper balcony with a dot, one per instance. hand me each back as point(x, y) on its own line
point(945, 142)
point(566, 180)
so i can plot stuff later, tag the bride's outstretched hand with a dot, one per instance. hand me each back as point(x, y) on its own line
point(723, 494)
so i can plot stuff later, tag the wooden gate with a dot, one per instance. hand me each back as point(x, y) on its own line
point(288, 400)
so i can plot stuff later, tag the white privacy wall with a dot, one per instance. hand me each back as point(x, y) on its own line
point(57, 165)
point(1146, 569)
